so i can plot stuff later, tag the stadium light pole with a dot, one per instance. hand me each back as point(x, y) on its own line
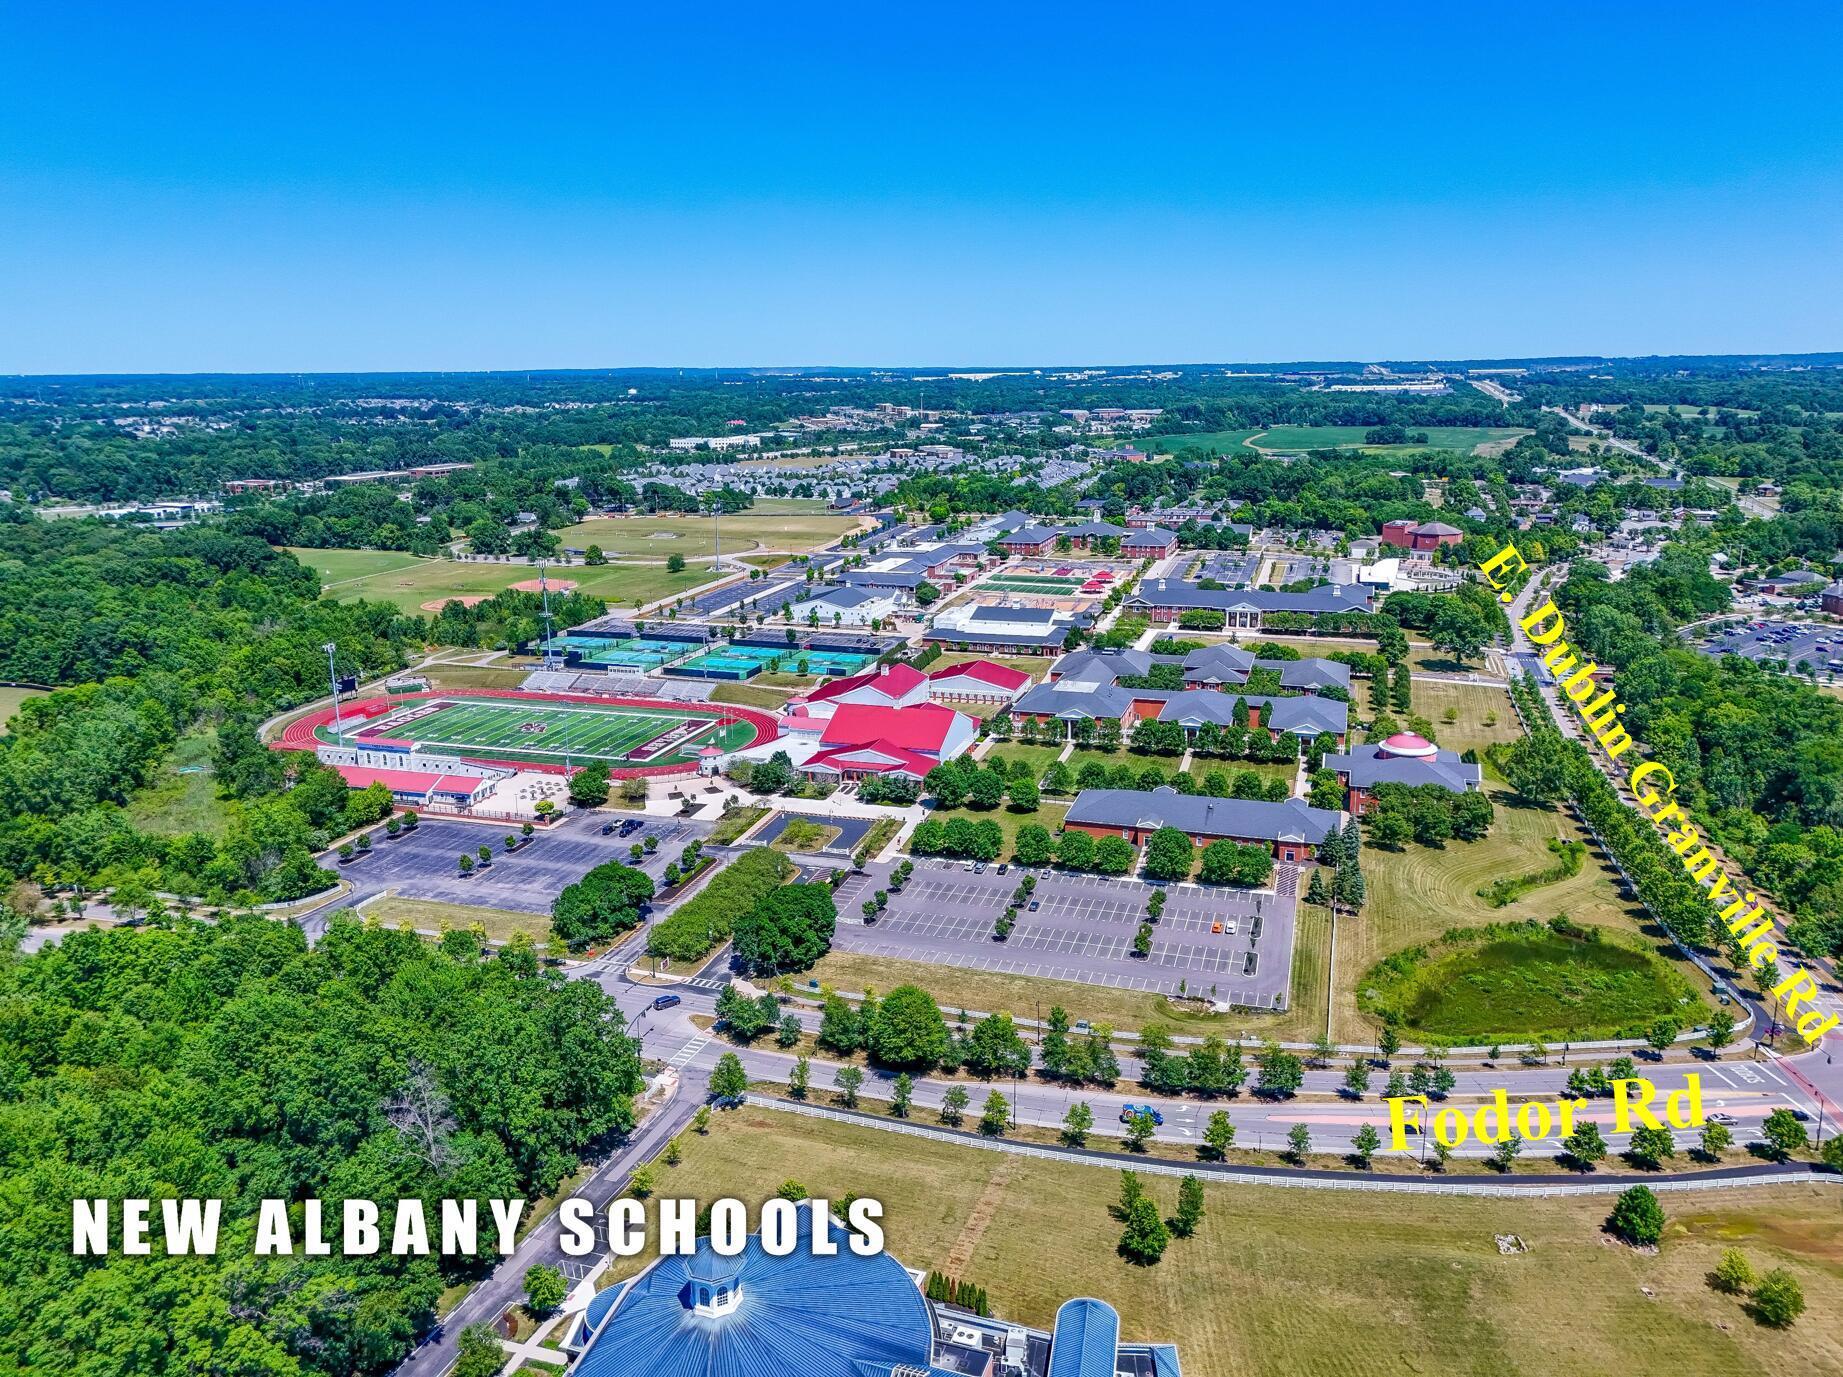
point(544, 592)
point(332, 682)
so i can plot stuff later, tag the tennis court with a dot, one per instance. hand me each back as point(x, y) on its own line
point(746, 661)
point(1034, 583)
point(635, 652)
point(548, 733)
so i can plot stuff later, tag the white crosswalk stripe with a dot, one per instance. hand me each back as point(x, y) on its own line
point(683, 1057)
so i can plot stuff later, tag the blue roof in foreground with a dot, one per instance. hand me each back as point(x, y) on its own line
point(840, 1316)
point(1085, 1341)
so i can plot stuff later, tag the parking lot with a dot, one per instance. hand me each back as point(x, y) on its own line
point(1817, 647)
point(1082, 929)
point(1235, 570)
point(424, 864)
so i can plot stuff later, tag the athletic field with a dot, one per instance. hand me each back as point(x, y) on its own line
point(550, 733)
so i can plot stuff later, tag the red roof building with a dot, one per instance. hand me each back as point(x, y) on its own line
point(926, 729)
point(977, 680)
point(888, 686)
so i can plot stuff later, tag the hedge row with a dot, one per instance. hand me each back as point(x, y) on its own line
point(701, 922)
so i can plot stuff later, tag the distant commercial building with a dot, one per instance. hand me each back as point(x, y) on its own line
point(1412, 535)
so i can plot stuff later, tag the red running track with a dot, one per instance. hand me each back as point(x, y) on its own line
point(300, 735)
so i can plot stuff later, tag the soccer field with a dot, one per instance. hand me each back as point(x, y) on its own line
point(622, 735)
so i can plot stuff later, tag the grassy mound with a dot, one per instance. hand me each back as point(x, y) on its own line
point(1507, 982)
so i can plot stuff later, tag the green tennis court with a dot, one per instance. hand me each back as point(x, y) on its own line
point(499, 729)
point(1024, 583)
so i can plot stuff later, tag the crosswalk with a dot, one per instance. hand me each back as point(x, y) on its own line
point(686, 1054)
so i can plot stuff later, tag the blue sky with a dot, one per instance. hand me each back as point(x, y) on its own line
point(321, 187)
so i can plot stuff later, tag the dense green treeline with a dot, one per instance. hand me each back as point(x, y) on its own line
point(231, 1062)
point(147, 637)
point(1757, 755)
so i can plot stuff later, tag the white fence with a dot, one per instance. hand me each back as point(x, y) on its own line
point(1355, 1181)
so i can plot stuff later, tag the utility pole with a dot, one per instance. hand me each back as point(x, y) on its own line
point(332, 682)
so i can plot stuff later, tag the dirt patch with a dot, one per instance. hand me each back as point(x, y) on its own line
point(537, 586)
point(985, 1210)
point(470, 600)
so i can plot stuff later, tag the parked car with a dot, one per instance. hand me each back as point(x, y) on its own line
point(1728, 1119)
point(1035, 904)
point(666, 1001)
point(607, 827)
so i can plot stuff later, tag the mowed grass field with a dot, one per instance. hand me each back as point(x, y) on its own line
point(1301, 1283)
point(692, 536)
point(501, 729)
point(340, 566)
point(407, 582)
point(1485, 714)
point(1418, 893)
point(10, 701)
point(1459, 439)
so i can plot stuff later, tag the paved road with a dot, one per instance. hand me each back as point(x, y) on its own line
point(1818, 1067)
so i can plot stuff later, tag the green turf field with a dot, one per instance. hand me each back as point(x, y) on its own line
point(508, 729)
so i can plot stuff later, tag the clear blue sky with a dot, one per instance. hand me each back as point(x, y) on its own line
point(253, 187)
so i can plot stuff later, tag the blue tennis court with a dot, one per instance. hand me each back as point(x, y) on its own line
point(746, 661)
point(635, 652)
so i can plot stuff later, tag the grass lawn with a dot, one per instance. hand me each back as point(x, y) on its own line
point(494, 676)
point(1049, 814)
point(184, 796)
point(751, 696)
point(501, 924)
point(1417, 894)
point(10, 700)
point(1532, 984)
point(734, 823)
point(1474, 703)
point(1458, 439)
point(1039, 758)
point(659, 536)
point(803, 836)
point(408, 587)
point(339, 566)
point(1279, 1282)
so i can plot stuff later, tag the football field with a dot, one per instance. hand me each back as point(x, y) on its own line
point(547, 733)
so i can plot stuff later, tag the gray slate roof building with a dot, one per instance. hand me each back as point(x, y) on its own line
point(1202, 816)
point(1364, 767)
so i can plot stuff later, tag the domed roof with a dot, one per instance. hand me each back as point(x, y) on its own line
point(819, 1316)
point(1409, 744)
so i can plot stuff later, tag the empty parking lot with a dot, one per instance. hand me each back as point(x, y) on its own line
point(1082, 929)
point(424, 864)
